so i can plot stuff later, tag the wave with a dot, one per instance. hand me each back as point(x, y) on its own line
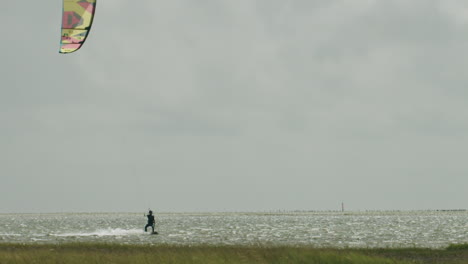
point(102, 232)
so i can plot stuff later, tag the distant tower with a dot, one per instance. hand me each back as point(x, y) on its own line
point(342, 207)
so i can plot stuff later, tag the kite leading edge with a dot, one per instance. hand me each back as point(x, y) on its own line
point(76, 23)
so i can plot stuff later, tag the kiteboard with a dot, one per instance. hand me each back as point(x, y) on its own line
point(154, 233)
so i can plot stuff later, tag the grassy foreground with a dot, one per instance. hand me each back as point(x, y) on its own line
point(116, 254)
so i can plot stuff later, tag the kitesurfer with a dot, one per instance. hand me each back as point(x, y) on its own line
point(151, 221)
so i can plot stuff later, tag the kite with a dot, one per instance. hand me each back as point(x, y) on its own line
point(77, 19)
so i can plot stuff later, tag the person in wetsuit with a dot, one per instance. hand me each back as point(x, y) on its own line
point(151, 221)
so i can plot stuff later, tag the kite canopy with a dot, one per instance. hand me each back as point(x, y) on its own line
point(76, 22)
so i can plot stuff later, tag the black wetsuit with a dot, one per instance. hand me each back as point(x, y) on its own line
point(150, 222)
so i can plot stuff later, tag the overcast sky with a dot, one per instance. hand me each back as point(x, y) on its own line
point(236, 105)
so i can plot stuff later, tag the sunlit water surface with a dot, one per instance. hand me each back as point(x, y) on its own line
point(433, 229)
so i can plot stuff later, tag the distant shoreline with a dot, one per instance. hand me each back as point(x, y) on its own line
point(255, 212)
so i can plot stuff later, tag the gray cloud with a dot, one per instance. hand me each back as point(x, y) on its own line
point(236, 105)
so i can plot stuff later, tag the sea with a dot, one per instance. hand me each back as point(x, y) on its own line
point(369, 229)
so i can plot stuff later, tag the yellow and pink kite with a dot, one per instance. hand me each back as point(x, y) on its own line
point(76, 22)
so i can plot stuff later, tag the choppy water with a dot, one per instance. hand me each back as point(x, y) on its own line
point(432, 229)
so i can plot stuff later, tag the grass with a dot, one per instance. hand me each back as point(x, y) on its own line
point(116, 254)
